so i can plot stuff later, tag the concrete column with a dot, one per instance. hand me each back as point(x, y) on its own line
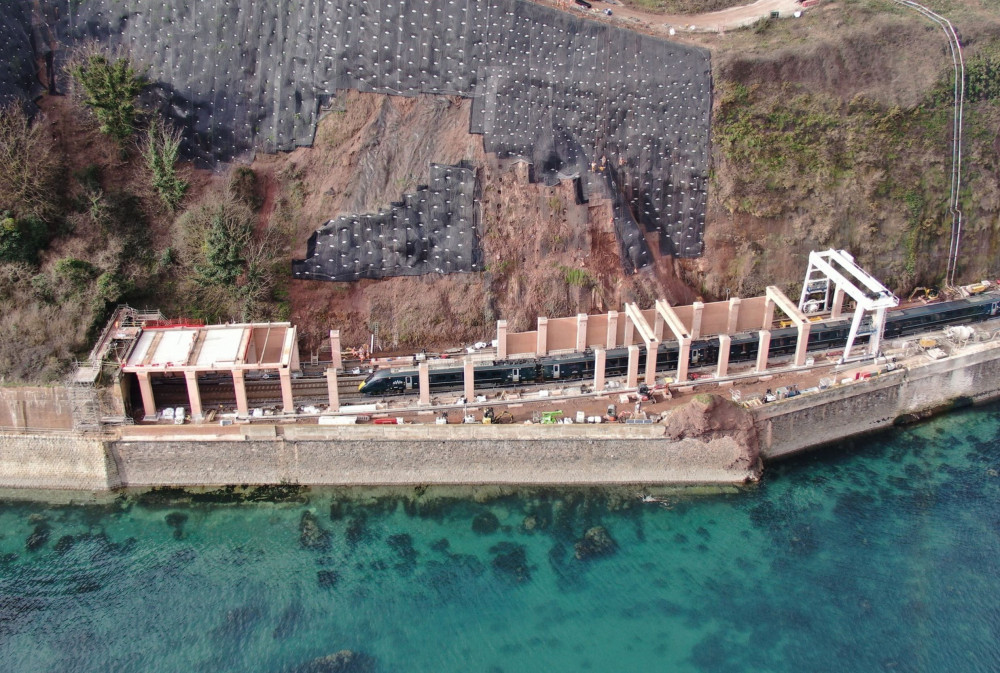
point(194, 395)
point(683, 358)
point(146, 390)
point(629, 331)
point(725, 342)
point(838, 302)
point(581, 332)
point(734, 315)
point(239, 385)
point(696, 310)
point(612, 329)
point(651, 351)
point(802, 343)
point(765, 324)
point(542, 343)
point(287, 403)
point(501, 339)
point(600, 362)
point(424, 377)
point(470, 378)
point(332, 391)
point(632, 380)
point(762, 347)
point(335, 349)
point(658, 326)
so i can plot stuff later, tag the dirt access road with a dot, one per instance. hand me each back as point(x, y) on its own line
point(662, 24)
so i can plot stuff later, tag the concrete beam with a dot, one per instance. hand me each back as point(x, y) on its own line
point(636, 318)
point(725, 342)
point(542, 337)
point(290, 350)
point(194, 395)
point(697, 308)
point(332, 391)
point(768, 320)
point(762, 350)
point(787, 306)
point(612, 329)
point(424, 378)
point(240, 386)
point(501, 339)
point(838, 302)
point(146, 390)
point(629, 331)
point(632, 379)
point(600, 363)
point(287, 403)
point(335, 348)
point(734, 315)
point(672, 320)
point(581, 332)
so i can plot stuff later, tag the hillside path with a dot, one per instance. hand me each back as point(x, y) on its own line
point(724, 19)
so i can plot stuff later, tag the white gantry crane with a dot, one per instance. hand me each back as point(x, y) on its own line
point(835, 270)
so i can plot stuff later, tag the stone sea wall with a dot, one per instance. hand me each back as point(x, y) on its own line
point(431, 454)
point(372, 455)
point(56, 461)
point(905, 395)
point(708, 443)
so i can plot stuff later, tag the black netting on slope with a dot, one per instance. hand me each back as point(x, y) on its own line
point(563, 93)
point(17, 67)
point(433, 230)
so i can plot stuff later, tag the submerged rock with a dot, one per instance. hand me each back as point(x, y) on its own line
point(38, 538)
point(511, 561)
point(311, 534)
point(327, 579)
point(596, 542)
point(344, 661)
point(402, 544)
point(356, 530)
point(441, 545)
point(64, 544)
point(176, 520)
point(485, 523)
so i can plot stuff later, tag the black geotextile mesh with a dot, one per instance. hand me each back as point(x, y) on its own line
point(564, 93)
point(17, 67)
point(433, 230)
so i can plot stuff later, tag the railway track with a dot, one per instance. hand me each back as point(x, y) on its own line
point(266, 392)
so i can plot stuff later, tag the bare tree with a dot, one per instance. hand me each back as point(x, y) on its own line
point(29, 166)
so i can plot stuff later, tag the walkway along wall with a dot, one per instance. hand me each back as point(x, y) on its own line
point(812, 420)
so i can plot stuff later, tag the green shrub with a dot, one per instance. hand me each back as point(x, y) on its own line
point(20, 240)
point(160, 150)
point(110, 86)
point(242, 187)
point(225, 240)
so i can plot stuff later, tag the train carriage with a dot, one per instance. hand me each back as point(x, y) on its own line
point(825, 335)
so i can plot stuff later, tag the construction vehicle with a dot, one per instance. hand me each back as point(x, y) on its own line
point(551, 417)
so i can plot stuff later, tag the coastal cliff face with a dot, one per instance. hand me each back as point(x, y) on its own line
point(827, 131)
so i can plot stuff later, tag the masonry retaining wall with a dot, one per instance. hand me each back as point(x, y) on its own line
point(432, 455)
point(811, 420)
point(56, 461)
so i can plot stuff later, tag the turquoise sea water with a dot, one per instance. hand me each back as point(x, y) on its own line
point(881, 555)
